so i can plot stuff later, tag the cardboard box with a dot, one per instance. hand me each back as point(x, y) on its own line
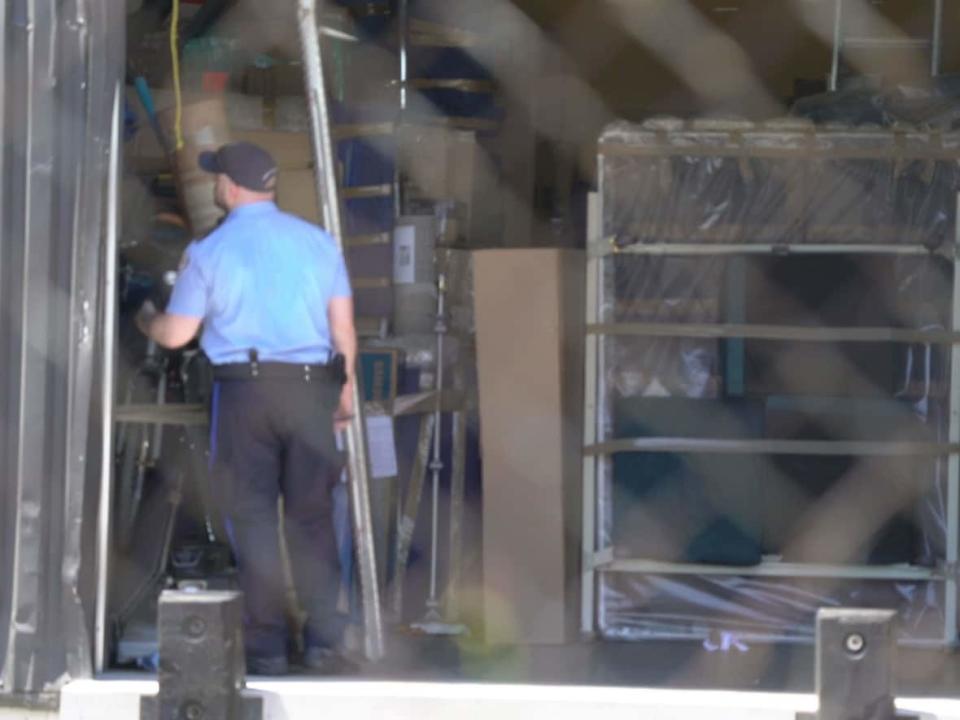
point(287, 79)
point(280, 125)
point(445, 164)
point(291, 150)
point(437, 163)
point(529, 324)
point(297, 194)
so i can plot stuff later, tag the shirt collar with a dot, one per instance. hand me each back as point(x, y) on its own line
point(256, 208)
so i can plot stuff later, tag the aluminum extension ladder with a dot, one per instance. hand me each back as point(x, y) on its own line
point(308, 13)
point(841, 42)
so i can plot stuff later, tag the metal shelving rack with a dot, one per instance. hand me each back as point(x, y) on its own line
point(597, 559)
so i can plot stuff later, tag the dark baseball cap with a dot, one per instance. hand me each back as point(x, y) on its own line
point(248, 165)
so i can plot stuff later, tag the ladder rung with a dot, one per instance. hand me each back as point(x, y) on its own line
point(868, 42)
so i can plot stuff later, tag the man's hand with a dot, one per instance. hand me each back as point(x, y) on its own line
point(344, 412)
point(169, 331)
point(145, 316)
point(340, 317)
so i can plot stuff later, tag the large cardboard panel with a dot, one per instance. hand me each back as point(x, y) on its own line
point(529, 310)
point(290, 150)
point(297, 194)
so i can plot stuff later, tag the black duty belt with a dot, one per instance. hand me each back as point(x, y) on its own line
point(274, 371)
point(334, 371)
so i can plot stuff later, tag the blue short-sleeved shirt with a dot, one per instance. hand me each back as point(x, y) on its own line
point(262, 281)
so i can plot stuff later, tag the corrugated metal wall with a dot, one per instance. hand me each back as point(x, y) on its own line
point(62, 60)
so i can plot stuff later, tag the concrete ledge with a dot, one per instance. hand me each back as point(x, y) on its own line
point(9, 713)
point(293, 699)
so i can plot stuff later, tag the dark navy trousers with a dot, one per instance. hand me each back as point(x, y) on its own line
point(273, 437)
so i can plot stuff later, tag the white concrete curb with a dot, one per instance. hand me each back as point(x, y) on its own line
point(293, 699)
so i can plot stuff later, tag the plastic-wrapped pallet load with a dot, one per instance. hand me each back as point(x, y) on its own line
point(697, 221)
point(778, 182)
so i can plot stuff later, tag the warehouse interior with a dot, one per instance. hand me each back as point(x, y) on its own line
point(656, 302)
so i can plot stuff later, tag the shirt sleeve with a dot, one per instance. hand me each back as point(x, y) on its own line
point(190, 291)
point(341, 279)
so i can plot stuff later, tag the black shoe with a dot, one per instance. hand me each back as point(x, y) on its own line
point(325, 661)
point(267, 665)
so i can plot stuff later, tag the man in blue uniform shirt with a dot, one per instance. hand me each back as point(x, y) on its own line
point(273, 296)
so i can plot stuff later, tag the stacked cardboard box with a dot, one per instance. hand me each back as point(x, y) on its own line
point(296, 183)
point(441, 164)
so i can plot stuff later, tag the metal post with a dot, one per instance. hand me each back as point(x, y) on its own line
point(403, 21)
point(953, 462)
point(432, 622)
point(780, 250)
point(403, 40)
point(837, 42)
point(107, 390)
point(436, 462)
point(457, 480)
point(589, 490)
point(326, 179)
point(936, 42)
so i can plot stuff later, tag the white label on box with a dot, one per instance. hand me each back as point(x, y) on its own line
point(404, 254)
point(382, 447)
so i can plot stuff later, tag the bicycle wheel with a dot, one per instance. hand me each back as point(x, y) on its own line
point(129, 482)
point(134, 442)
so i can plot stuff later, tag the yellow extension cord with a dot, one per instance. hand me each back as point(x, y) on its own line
point(175, 58)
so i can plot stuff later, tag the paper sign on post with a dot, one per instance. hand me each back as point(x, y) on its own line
point(404, 254)
point(382, 447)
